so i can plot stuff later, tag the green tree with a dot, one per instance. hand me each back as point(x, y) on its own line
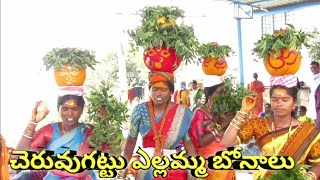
point(314, 51)
point(108, 69)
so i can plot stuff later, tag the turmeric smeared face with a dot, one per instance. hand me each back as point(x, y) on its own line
point(70, 111)
point(281, 102)
point(160, 93)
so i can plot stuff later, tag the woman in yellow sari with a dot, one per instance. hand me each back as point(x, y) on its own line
point(280, 135)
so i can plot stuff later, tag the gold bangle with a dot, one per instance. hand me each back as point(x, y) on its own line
point(28, 132)
point(31, 122)
point(28, 137)
point(214, 134)
point(238, 122)
point(244, 118)
point(235, 122)
point(234, 125)
point(244, 113)
point(311, 175)
point(122, 174)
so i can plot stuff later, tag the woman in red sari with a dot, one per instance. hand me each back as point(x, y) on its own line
point(258, 87)
point(162, 125)
point(207, 139)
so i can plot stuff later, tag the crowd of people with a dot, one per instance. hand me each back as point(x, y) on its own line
point(172, 118)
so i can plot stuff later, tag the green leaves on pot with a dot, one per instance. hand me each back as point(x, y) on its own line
point(159, 27)
point(107, 128)
point(213, 49)
point(231, 99)
point(288, 38)
point(77, 58)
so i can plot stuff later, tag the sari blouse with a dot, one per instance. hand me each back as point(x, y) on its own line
point(270, 144)
point(175, 128)
point(49, 137)
point(197, 127)
point(49, 133)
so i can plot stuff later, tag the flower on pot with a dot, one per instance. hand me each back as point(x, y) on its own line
point(69, 65)
point(107, 114)
point(214, 56)
point(165, 43)
point(281, 50)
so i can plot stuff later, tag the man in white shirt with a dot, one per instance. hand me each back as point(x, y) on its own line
point(314, 67)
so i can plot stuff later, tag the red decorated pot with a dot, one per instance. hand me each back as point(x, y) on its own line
point(161, 59)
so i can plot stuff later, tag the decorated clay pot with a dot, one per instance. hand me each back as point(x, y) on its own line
point(213, 66)
point(161, 59)
point(283, 63)
point(67, 76)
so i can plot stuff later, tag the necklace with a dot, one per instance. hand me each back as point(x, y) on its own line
point(64, 132)
point(159, 138)
point(274, 129)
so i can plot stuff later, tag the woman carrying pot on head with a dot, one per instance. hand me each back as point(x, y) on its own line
point(162, 125)
point(204, 130)
point(281, 134)
point(70, 134)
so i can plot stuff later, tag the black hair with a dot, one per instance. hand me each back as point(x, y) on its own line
point(170, 84)
point(314, 63)
point(62, 99)
point(267, 104)
point(293, 92)
point(303, 108)
point(194, 82)
point(208, 91)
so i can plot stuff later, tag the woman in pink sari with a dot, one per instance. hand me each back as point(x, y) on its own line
point(204, 134)
point(70, 134)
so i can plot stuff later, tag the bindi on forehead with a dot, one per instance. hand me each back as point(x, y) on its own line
point(71, 103)
point(280, 93)
point(160, 88)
